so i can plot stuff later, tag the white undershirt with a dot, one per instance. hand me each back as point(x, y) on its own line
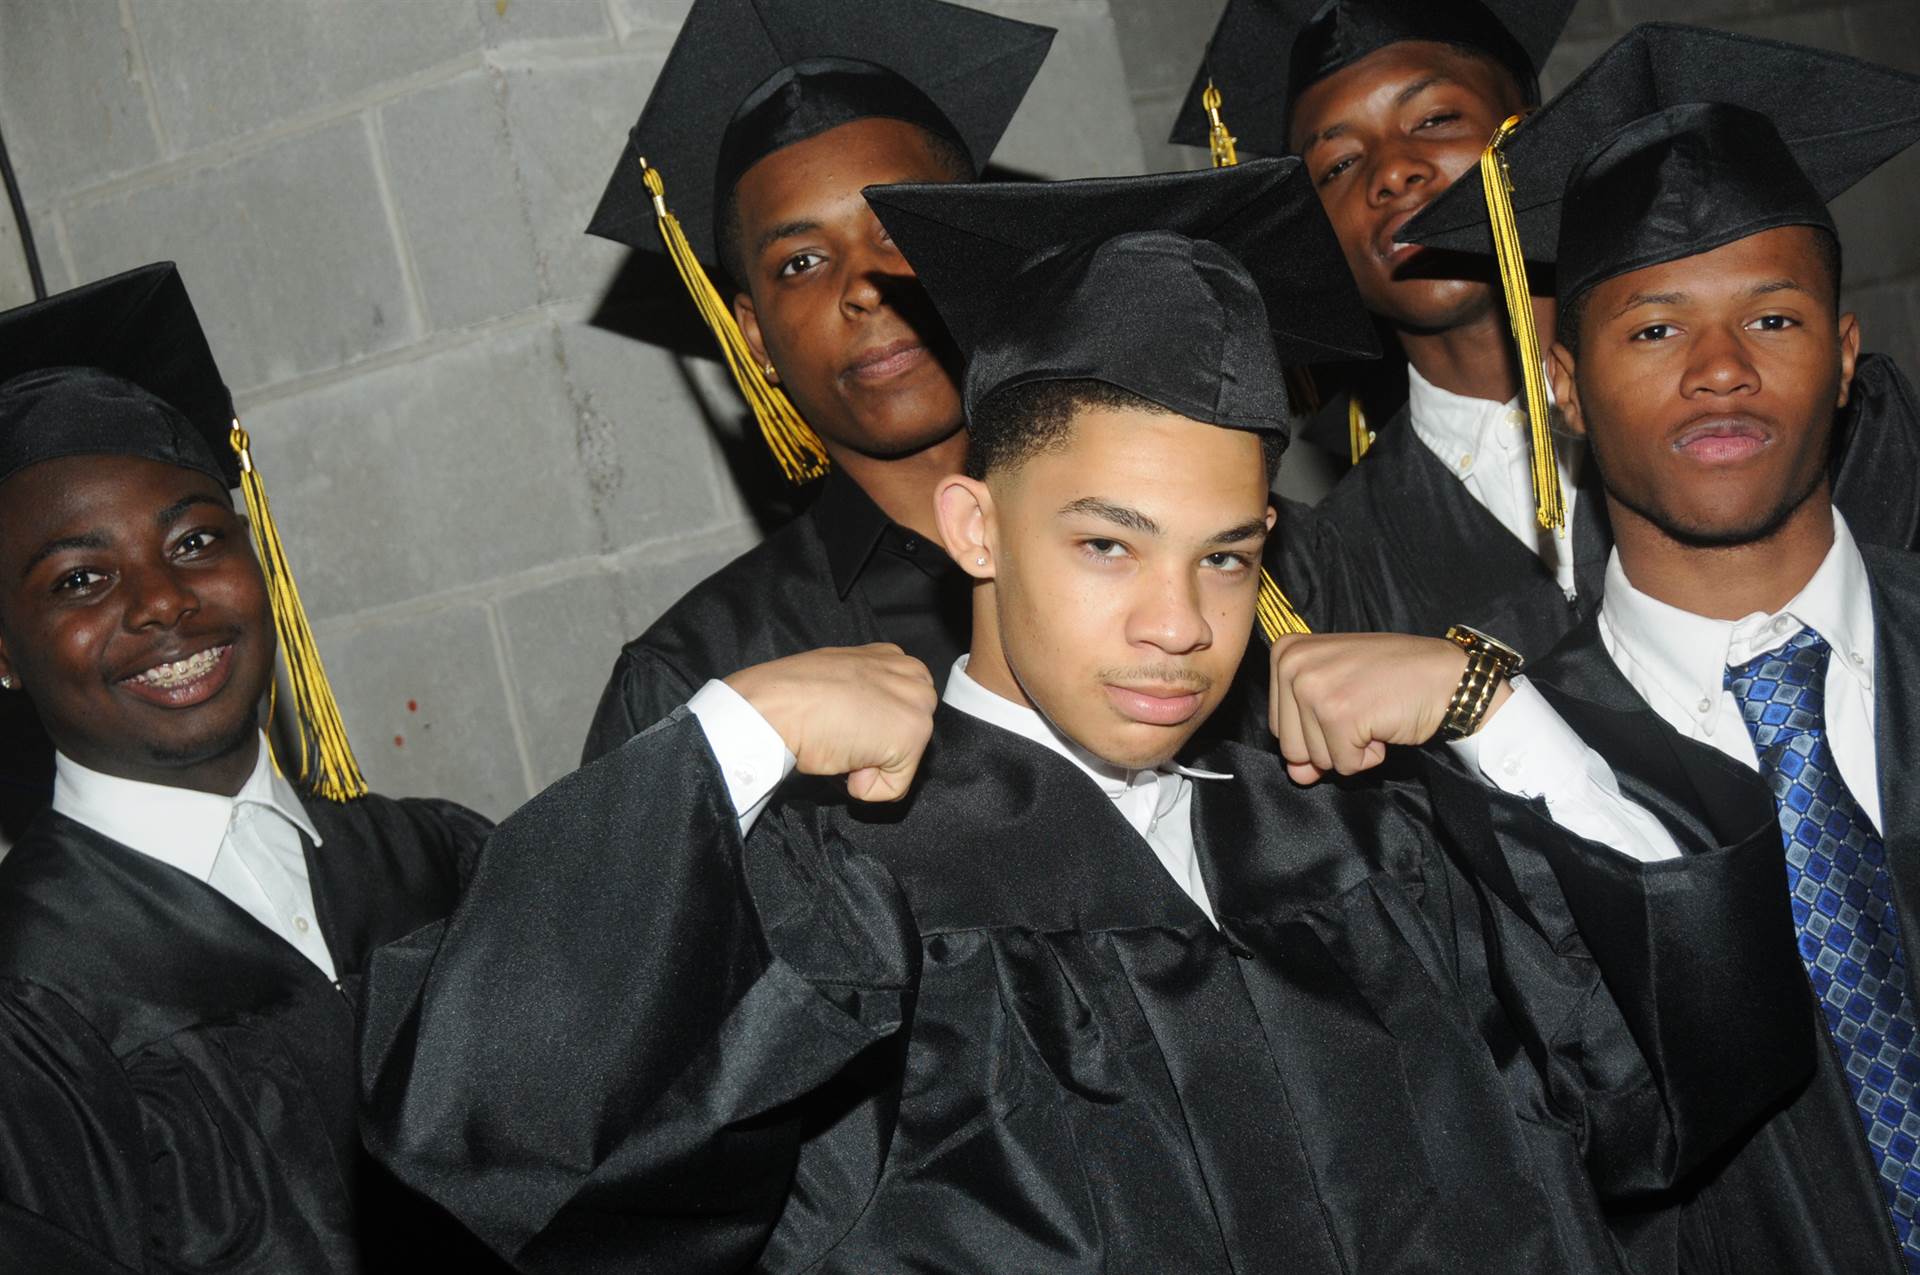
point(1486, 446)
point(1157, 804)
point(1677, 661)
point(246, 846)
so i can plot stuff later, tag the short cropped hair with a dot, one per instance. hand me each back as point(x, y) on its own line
point(1014, 425)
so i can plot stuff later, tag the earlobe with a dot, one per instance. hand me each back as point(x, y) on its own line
point(1849, 355)
point(749, 320)
point(1566, 392)
point(964, 508)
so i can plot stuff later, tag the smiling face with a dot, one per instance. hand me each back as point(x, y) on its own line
point(134, 615)
point(1124, 564)
point(1382, 138)
point(1707, 386)
point(832, 304)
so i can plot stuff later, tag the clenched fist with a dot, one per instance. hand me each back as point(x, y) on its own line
point(865, 712)
point(1337, 700)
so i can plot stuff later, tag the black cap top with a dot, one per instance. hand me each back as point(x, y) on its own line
point(749, 77)
point(1265, 53)
point(1679, 140)
point(116, 367)
point(1188, 289)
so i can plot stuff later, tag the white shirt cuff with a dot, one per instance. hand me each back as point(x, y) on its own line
point(753, 758)
point(1528, 750)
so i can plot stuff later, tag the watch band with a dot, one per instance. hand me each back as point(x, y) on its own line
point(1489, 663)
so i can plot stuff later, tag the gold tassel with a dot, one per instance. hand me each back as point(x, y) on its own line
point(1219, 140)
point(1549, 503)
point(322, 735)
point(795, 446)
point(1276, 613)
point(1359, 434)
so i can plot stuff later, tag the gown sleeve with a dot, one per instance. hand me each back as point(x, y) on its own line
point(1653, 999)
point(602, 1060)
point(642, 690)
point(72, 1170)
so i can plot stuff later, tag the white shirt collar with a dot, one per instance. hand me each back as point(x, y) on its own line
point(1459, 429)
point(178, 826)
point(1685, 656)
point(976, 700)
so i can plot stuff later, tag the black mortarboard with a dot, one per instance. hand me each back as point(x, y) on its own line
point(1188, 289)
point(121, 367)
point(1265, 53)
point(749, 77)
point(1679, 140)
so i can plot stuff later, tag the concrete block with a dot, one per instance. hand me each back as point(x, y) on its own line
point(222, 68)
point(1822, 28)
point(426, 708)
point(70, 97)
point(1162, 44)
point(513, 21)
point(653, 15)
point(1698, 12)
point(1886, 33)
point(427, 476)
point(1570, 57)
point(16, 281)
point(288, 253)
point(1876, 222)
point(1153, 115)
point(562, 639)
point(568, 123)
point(451, 170)
point(1077, 120)
point(646, 447)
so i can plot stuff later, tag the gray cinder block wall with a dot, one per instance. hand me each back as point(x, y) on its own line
point(378, 207)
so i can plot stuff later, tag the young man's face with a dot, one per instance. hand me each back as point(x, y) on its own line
point(1381, 139)
point(830, 301)
point(133, 613)
point(1126, 566)
point(1707, 387)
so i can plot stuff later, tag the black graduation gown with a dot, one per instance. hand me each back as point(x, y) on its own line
point(176, 1082)
point(984, 1030)
point(842, 574)
point(1798, 1194)
point(1429, 555)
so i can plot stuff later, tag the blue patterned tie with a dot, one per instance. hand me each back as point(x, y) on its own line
point(1843, 912)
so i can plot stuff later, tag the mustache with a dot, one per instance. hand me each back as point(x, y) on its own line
point(1158, 676)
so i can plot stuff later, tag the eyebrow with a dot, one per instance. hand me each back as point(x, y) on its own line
point(1776, 285)
point(785, 230)
point(1639, 299)
point(1253, 530)
point(91, 540)
point(183, 504)
point(1400, 99)
point(1106, 511)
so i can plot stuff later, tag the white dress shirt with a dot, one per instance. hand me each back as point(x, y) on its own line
point(1677, 661)
point(1157, 804)
point(1486, 445)
point(246, 846)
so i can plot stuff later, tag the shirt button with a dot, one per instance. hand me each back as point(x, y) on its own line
point(742, 777)
point(1466, 461)
point(1511, 766)
point(1857, 658)
point(300, 924)
point(911, 544)
point(1705, 706)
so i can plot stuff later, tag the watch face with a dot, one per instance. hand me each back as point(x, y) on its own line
point(1492, 643)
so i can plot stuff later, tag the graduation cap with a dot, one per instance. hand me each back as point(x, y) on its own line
point(747, 78)
point(121, 367)
point(1265, 53)
point(1676, 141)
point(1189, 290)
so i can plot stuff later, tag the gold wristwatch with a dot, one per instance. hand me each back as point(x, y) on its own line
point(1489, 663)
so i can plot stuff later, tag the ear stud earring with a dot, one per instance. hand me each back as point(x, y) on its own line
point(6, 683)
point(979, 562)
point(771, 371)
